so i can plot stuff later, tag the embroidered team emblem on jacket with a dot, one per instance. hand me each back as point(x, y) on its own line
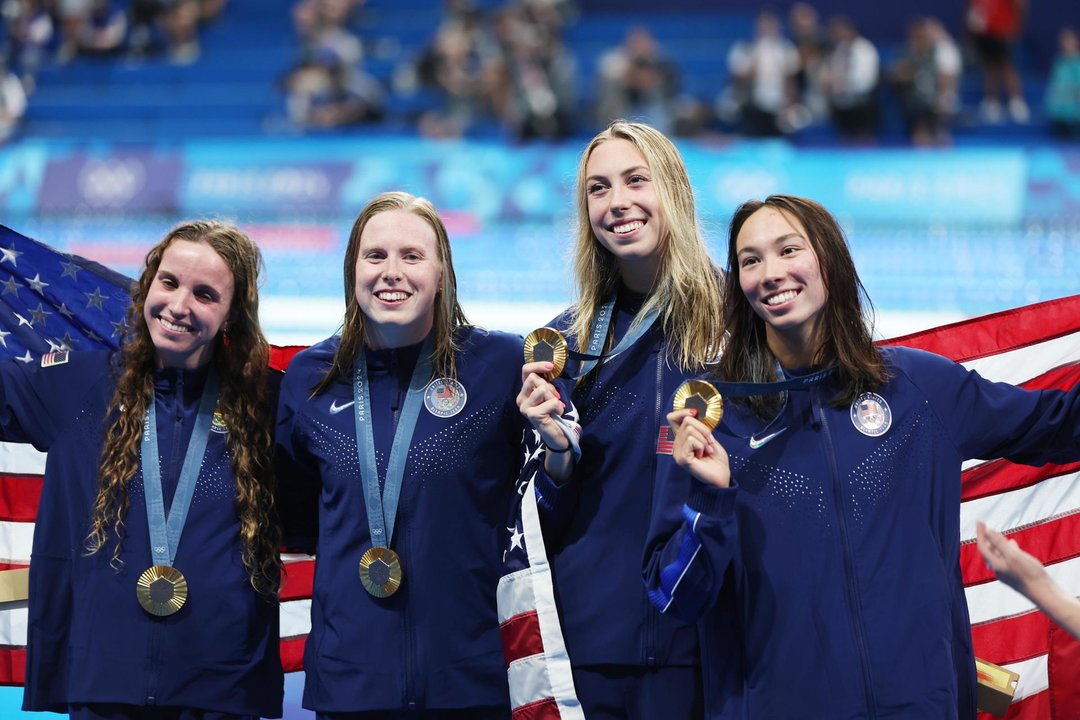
point(871, 415)
point(444, 397)
point(218, 423)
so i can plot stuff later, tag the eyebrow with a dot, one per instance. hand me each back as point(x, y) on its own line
point(624, 173)
point(774, 241)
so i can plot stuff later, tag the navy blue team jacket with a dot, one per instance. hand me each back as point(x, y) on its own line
point(435, 642)
point(827, 577)
point(89, 641)
point(595, 525)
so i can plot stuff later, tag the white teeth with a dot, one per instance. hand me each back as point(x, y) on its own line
point(392, 296)
point(781, 297)
point(628, 227)
point(172, 326)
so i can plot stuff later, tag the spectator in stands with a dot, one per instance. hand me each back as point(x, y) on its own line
point(323, 27)
point(925, 90)
point(12, 102)
point(950, 65)
point(1063, 90)
point(180, 21)
point(994, 26)
point(324, 93)
point(851, 81)
point(71, 14)
point(638, 81)
point(812, 43)
point(103, 31)
point(763, 76)
point(532, 81)
point(452, 66)
point(29, 32)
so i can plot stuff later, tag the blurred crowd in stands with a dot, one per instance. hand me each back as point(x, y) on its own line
point(505, 69)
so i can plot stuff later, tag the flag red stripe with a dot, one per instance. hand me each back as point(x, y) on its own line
point(280, 355)
point(296, 580)
point(1062, 377)
point(19, 495)
point(1051, 541)
point(1061, 674)
point(292, 653)
point(13, 566)
point(12, 665)
point(1001, 476)
point(521, 637)
point(999, 332)
point(1012, 639)
point(546, 709)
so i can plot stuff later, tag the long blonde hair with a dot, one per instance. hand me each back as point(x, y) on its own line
point(448, 313)
point(687, 292)
point(241, 364)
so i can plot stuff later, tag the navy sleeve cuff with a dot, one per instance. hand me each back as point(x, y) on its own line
point(711, 500)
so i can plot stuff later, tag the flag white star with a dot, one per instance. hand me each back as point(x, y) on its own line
point(37, 283)
point(39, 314)
point(95, 299)
point(10, 254)
point(11, 285)
point(27, 358)
point(23, 321)
point(3, 337)
point(71, 270)
point(515, 538)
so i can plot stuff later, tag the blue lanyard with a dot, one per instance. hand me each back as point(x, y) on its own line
point(382, 507)
point(600, 326)
point(165, 533)
point(747, 389)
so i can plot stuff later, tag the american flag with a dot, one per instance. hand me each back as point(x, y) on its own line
point(1034, 346)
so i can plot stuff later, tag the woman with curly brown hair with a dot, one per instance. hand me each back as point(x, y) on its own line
point(154, 575)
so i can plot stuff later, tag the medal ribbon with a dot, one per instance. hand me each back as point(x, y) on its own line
point(600, 326)
point(747, 389)
point(382, 506)
point(165, 533)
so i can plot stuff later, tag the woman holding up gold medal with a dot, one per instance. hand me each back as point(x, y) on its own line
point(815, 532)
point(399, 445)
point(154, 575)
point(647, 317)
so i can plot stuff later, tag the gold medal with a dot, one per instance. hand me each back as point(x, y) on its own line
point(703, 397)
point(380, 571)
point(547, 345)
point(161, 590)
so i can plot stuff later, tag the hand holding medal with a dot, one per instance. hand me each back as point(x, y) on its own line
point(546, 352)
point(698, 409)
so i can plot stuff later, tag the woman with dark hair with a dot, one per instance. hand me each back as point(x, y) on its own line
point(399, 446)
point(815, 532)
point(154, 575)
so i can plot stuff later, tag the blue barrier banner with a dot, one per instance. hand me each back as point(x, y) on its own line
point(490, 182)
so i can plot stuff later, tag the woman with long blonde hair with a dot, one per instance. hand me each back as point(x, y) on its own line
point(154, 576)
point(648, 314)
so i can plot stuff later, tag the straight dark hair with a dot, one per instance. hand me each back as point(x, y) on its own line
point(847, 318)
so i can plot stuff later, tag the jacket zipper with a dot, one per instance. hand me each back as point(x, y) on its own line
point(651, 614)
point(854, 601)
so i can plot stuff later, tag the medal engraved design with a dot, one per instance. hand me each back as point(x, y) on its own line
point(380, 571)
point(161, 590)
point(547, 345)
point(703, 397)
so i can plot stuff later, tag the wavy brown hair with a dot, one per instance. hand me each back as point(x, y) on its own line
point(846, 329)
point(687, 289)
point(239, 356)
point(448, 313)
